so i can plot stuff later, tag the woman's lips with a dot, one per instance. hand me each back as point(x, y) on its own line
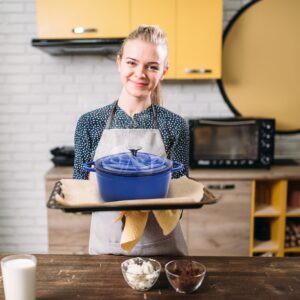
point(138, 84)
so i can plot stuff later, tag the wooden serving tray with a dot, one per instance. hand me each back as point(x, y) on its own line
point(184, 193)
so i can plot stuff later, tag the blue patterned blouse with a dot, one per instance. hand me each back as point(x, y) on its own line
point(173, 129)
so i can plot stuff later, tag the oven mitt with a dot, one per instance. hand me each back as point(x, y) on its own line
point(167, 219)
point(135, 223)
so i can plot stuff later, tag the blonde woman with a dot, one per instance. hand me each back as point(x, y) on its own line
point(137, 118)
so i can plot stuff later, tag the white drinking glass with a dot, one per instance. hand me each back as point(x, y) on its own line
point(18, 273)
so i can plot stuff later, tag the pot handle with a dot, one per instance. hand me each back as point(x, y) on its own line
point(177, 166)
point(87, 166)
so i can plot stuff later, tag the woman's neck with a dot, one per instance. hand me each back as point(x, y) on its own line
point(133, 105)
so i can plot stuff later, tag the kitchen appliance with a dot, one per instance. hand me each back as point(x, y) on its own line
point(133, 175)
point(236, 142)
point(63, 156)
point(103, 46)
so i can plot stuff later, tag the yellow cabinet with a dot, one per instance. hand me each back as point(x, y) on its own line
point(65, 19)
point(147, 12)
point(194, 30)
point(199, 39)
point(193, 27)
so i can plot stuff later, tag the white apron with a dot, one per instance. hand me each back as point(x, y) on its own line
point(105, 235)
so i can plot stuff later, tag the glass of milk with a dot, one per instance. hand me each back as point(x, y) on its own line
point(18, 273)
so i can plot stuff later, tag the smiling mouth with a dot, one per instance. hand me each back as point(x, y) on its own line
point(138, 84)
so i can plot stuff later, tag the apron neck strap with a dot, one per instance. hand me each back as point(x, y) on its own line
point(110, 118)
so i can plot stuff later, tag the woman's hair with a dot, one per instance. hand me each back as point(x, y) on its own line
point(150, 34)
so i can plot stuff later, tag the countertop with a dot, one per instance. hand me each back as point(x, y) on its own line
point(99, 277)
point(288, 172)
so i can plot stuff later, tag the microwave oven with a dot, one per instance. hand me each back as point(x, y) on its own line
point(236, 142)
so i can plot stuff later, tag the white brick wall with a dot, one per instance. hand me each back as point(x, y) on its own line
point(41, 98)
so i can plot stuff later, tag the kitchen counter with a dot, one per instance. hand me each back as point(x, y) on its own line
point(99, 277)
point(276, 172)
point(225, 229)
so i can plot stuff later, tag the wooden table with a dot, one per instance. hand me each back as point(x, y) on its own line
point(99, 277)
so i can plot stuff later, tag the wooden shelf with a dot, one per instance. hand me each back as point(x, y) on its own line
point(293, 212)
point(269, 199)
point(265, 246)
point(292, 250)
point(266, 211)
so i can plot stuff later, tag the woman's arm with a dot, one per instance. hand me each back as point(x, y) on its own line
point(83, 149)
point(180, 148)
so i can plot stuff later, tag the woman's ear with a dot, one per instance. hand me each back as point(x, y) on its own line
point(166, 68)
point(118, 61)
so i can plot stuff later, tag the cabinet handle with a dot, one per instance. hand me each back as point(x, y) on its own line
point(196, 71)
point(79, 30)
point(221, 186)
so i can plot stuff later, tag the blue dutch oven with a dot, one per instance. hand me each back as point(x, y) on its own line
point(133, 175)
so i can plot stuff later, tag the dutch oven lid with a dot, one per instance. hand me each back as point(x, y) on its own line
point(133, 163)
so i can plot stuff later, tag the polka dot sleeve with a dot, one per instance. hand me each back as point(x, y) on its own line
point(83, 149)
point(179, 150)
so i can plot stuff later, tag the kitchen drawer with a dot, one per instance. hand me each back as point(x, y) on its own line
point(222, 228)
point(68, 233)
point(228, 187)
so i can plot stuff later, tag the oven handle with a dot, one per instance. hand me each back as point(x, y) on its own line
point(228, 123)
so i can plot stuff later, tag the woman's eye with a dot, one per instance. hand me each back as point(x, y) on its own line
point(130, 62)
point(154, 68)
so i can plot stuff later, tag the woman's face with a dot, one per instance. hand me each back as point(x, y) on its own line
point(141, 67)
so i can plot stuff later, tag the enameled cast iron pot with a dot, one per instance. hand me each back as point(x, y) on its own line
point(133, 175)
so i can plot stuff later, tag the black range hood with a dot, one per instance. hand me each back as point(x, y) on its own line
point(78, 46)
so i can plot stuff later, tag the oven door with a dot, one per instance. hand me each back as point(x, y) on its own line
point(224, 143)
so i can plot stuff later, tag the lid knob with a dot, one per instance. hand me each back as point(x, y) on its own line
point(134, 150)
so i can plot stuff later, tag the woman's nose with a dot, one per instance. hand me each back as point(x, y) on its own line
point(140, 71)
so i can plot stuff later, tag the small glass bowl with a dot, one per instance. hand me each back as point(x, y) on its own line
point(185, 276)
point(141, 273)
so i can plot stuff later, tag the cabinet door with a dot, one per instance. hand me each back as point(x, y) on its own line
point(59, 18)
point(221, 229)
point(157, 12)
point(68, 233)
point(199, 39)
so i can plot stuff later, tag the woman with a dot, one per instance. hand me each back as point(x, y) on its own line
point(134, 119)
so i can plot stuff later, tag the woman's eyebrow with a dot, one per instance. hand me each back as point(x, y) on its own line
point(149, 62)
point(154, 62)
point(131, 58)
